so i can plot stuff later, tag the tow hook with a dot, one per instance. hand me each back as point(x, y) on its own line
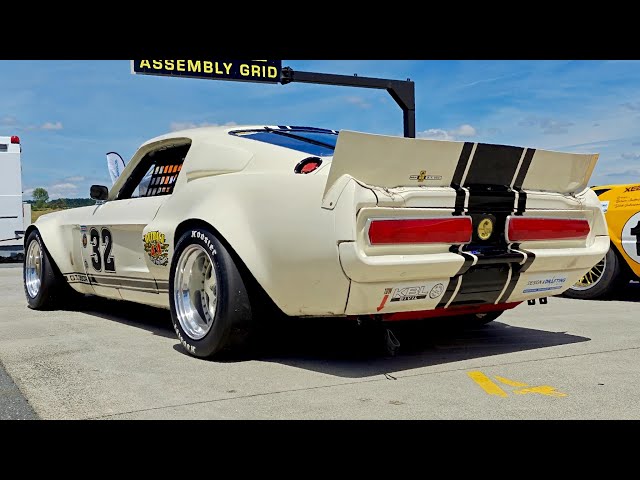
point(542, 301)
point(392, 344)
point(382, 337)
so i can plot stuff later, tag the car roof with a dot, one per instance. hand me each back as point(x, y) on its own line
point(199, 133)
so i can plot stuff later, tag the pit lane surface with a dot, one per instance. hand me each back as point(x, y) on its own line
point(568, 359)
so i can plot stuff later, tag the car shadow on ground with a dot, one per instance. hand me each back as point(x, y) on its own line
point(343, 348)
point(340, 348)
point(154, 320)
point(630, 293)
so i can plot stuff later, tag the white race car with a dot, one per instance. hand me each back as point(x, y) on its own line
point(217, 223)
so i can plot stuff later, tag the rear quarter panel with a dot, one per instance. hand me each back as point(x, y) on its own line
point(275, 223)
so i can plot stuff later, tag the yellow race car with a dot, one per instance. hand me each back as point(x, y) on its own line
point(621, 207)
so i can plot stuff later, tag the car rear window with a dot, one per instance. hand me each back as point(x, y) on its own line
point(308, 140)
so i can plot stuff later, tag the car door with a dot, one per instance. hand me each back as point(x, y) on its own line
point(115, 257)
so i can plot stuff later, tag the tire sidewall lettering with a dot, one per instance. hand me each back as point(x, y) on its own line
point(201, 238)
point(190, 348)
point(204, 238)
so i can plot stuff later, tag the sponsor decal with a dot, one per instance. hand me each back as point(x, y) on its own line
point(604, 206)
point(84, 240)
point(387, 292)
point(545, 284)
point(436, 291)
point(83, 229)
point(423, 176)
point(156, 247)
point(77, 277)
point(635, 188)
point(404, 294)
point(485, 229)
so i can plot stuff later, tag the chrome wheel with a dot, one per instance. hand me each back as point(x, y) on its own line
point(33, 269)
point(195, 292)
point(592, 277)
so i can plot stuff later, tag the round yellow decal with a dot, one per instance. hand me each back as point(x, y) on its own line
point(485, 229)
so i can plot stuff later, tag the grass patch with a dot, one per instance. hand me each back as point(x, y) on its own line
point(35, 214)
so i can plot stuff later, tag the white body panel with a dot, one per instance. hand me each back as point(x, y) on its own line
point(303, 237)
point(11, 214)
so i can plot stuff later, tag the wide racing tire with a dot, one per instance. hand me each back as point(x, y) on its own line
point(44, 286)
point(211, 310)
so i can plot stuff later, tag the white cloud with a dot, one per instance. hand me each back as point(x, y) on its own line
point(435, 134)
point(358, 101)
point(625, 176)
point(51, 126)
point(8, 121)
point(64, 186)
point(464, 130)
point(62, 190)
point(631, 106)
point(177, 126)
point(549, 126)
point(74, 179)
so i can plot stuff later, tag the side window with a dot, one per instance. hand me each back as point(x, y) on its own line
point(156, 174)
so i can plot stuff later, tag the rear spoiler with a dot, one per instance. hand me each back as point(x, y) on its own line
point(388, 162)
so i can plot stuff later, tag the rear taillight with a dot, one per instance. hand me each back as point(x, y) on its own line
point(520, 229)
point(308, 165)
point(15, 139)
point(455, 230)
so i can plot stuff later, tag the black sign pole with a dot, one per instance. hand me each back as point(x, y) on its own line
point(402, 91)
point(271, 71)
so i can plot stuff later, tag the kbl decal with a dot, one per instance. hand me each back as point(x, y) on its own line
point(403, 294)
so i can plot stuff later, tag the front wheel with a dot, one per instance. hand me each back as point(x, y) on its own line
point(210, 306)
point(44, 285)
point(602, 280)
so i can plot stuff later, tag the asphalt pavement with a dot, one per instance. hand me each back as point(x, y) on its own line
point(568, 359)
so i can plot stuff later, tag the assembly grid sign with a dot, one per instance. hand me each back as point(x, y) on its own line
point(264, 71)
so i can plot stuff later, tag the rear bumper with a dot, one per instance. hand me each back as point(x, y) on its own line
point(404, 283)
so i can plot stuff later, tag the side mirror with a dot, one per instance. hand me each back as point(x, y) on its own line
point(99, 192)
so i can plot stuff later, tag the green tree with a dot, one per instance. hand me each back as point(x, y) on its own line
point(40, 196)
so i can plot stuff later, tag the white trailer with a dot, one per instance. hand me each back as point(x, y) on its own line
point(15, 215)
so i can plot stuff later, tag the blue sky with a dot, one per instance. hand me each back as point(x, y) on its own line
point(69, 114)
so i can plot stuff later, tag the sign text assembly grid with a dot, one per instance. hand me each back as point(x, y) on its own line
point(267, 71)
